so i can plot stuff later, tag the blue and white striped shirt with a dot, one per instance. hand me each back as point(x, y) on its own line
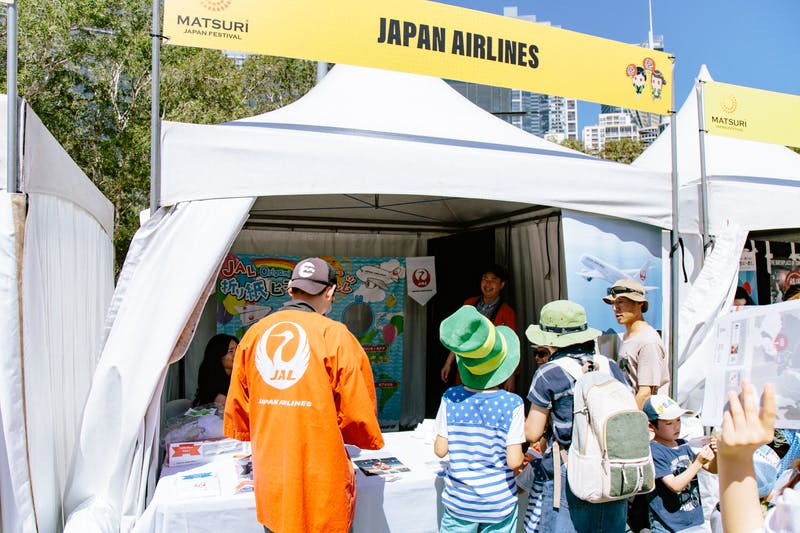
point(479, 485)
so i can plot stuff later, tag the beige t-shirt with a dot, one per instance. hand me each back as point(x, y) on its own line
point(644, 361)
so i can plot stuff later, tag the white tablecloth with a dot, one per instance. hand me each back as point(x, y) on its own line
point(409, 503)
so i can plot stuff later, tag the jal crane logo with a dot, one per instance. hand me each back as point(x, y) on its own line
point(421, 277)
point(282, 355)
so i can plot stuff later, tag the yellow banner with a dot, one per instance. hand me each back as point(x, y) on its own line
point(751, 114)
point(430, 38)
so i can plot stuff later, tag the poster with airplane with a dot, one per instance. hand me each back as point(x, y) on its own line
point(599, 251)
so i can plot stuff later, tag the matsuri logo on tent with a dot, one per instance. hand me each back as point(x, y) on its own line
point(282, 355)
point(728, 103)
point(216, 5)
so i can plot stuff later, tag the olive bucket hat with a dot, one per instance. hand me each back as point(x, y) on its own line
point(486, 354)
point(561, 323)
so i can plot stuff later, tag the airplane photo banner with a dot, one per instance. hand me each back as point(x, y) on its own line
point(600, 251)
point(430, 38)
point(752, 114)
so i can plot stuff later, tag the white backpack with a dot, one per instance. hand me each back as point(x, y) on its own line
point(609, 458)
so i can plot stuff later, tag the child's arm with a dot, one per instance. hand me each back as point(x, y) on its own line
point(525, 477)
point(536, 423)
point(677, 483)
point(711, 466)
point(744, 429)
point(514, 456)
point(440, 446)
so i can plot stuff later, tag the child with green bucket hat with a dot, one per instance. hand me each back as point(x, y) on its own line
point(480, 426)
point(563, 327)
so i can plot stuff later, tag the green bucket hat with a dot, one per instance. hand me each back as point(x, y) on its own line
point(562, 323)
point(486, 355)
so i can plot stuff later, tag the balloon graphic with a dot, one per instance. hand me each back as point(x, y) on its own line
point(397, 320)
point(389, 333)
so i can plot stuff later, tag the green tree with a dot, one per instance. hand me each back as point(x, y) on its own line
point(575, 144)
point(84, 67)
point(623, 151)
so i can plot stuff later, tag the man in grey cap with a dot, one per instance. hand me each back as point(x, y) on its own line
point(301, 386)
point(641, 356)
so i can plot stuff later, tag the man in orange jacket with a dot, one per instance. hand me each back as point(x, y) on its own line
point(302, 387)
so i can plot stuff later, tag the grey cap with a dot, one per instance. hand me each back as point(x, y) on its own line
point(312, 275)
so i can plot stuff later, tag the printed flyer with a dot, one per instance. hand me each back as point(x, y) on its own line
point(762, 344)
point(369, 300)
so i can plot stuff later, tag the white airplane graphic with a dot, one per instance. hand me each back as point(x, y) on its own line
point(594, 267)
point(251, 313)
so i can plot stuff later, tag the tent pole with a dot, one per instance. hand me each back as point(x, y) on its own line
point(155, 118)
point(322, 70)
point(701, 121)
point(12, 126)
point(674, 262)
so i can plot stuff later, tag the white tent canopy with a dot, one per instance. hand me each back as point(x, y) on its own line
point(56, 279)
point(755, 184)
point(366, 131)
point(364, 150)
point(752, 186)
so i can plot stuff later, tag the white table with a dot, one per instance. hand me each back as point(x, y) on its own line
point(410, 503)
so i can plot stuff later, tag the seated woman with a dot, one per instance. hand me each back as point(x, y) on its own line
point(214, 375)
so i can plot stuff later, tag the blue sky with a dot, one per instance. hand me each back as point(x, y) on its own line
point(751, 43)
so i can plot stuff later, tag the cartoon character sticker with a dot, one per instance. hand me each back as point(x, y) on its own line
point(638, 75)
point(657, 83)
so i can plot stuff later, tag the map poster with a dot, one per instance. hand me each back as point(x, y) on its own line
point(369, 300)
point(760, 344)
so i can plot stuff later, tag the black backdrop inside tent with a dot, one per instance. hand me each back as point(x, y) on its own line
point(460, 261)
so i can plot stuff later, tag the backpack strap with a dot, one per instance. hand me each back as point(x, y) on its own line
point(559, 455)
point(602, 363)
point(570, 366)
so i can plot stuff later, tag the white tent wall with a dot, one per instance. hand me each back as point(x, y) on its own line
point(164, 281)
point(67, 284)
point(708, 299)
point(16, 499)
point(535, 259)
point(66, 260)
point(48, 169)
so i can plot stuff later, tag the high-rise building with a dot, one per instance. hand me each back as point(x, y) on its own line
point(552, 117)
point(610, 127)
